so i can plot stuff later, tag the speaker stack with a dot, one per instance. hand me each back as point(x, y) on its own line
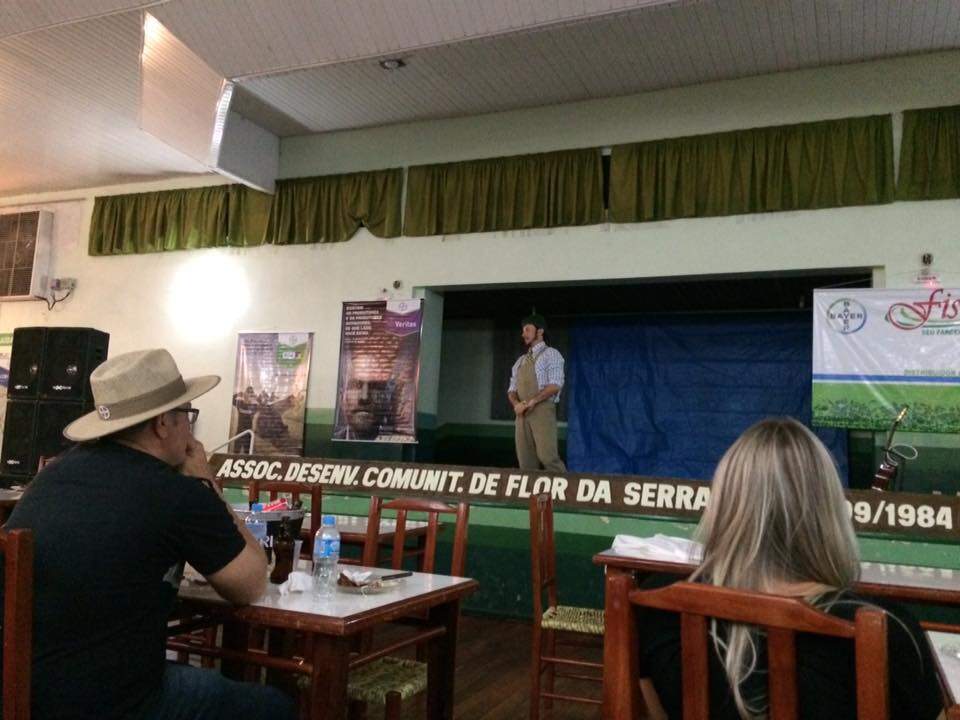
point(49, 387)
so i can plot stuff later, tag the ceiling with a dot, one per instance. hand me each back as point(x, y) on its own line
point(69, 69)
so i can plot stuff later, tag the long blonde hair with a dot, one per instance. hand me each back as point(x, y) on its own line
point(776, 515)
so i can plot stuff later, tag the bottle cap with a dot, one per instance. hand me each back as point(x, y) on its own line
point(329, 520)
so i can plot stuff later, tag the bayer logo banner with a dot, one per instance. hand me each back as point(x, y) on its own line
point(877, 351)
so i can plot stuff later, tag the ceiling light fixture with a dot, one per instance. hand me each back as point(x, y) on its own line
point(392, 64)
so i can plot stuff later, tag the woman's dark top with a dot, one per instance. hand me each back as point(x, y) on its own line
point(826, 677)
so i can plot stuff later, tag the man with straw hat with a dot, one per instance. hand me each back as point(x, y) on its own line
point(534, 391)
point(113, 520)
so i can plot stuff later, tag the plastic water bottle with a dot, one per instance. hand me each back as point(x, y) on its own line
point(326, 554)
point(256, 524)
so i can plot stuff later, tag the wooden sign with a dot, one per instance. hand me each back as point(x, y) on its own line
point(928, 516)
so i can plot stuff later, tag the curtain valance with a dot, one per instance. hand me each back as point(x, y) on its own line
point(790, 167)
point(508, 193)
point(930, 154)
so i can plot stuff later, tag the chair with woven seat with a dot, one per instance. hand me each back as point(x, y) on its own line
point(781, 618)
point(556, 625)
point(376, 677)
point(16, 546)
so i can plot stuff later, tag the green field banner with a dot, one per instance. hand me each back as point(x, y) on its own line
point(876, 351)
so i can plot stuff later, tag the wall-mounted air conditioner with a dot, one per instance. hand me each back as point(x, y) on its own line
point(25, 241)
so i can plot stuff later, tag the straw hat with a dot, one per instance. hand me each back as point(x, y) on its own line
point(133, 387)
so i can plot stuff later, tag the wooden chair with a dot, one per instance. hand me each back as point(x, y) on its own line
point(782, 618)
point(17, 549)
point(295, 490)
point(556, 625)
point(376, 677)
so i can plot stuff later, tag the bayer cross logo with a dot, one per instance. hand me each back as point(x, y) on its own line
point(104, 412)
point(846, 316)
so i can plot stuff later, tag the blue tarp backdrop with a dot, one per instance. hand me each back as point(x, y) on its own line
point(666, 395)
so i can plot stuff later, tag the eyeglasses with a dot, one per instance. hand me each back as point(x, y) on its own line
point(192, 414)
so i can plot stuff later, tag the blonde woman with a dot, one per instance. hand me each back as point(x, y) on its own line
point(777, 523)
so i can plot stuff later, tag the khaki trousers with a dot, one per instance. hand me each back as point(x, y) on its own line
point(536, 438)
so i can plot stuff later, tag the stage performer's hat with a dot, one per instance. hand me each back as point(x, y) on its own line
point(536, 320)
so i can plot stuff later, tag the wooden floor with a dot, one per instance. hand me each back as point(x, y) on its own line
point(493, 676)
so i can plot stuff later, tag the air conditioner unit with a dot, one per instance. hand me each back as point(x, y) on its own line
point(25, 241)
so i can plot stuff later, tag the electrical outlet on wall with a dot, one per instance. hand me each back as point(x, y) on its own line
point(63, 284)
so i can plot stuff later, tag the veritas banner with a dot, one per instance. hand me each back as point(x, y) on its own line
point(875, 351)
point(379, 371)
point(270, 391)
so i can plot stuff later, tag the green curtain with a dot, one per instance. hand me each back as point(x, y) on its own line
point(509, 193)
point(216, 216)
point(791, 167)
point(332, 208)
point(930, 154)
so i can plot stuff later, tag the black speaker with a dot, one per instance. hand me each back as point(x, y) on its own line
point(26, 362)
point(70, 355)
point(49, 388)
point(18, 438)
point(52, 418)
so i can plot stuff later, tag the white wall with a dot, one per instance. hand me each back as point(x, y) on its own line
point(301, 288)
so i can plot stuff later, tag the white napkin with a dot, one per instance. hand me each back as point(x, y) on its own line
point(360, 577)
point(659, 547)
point(297, 582)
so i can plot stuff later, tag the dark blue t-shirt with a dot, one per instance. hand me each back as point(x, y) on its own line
point(112, 527)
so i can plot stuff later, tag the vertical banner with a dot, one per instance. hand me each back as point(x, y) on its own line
point(379, 371)
point(270, 392)
point(875, 351)
point(6, 346)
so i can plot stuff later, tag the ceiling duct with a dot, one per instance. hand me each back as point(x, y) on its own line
point(186, 104)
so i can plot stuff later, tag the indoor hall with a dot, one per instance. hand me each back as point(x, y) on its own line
point(676, 193)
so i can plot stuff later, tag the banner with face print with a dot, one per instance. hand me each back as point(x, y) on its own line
point(379, 371)
point(876, 351)
point(270, 392)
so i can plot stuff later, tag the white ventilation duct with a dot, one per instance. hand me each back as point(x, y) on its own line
point(186, 104)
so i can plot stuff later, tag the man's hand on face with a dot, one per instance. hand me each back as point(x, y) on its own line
point(196, 463)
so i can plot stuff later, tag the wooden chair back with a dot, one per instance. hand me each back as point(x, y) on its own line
point(543, 555)
point(295, 490)
point(781, 618)
point(434, 509)
point(17, 549)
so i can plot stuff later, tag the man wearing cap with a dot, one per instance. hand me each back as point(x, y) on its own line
point(113, 521)
point(535, 384)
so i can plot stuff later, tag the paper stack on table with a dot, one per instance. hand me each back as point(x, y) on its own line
point(658, 547)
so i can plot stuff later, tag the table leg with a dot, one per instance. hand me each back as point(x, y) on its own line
point(442, 661)
point(621, 690)
point(328, 684)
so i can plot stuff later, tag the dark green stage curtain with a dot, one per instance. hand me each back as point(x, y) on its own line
point(332, 208)
point(930, 154)
point(791, 167)
point(509, 193)
point(217, 216)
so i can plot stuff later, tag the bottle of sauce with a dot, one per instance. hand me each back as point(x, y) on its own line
point(283, 553)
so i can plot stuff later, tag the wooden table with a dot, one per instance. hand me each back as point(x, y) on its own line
point(334, 622)
point(905, 583)
point(353, 528)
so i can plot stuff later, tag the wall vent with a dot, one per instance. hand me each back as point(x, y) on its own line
point(25, 241)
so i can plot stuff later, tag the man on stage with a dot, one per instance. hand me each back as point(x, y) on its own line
point(535, 383)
